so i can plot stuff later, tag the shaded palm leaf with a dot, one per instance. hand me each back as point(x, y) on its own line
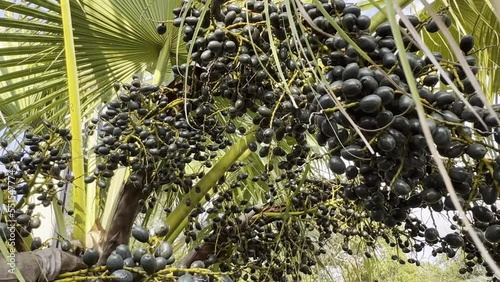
point(476, 18)
point(114, 40)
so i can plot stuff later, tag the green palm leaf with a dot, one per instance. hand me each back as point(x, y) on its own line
point(113, 40)
point(473, 17)
point(476, 18)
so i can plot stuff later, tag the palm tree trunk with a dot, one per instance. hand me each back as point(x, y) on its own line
point(123, 219)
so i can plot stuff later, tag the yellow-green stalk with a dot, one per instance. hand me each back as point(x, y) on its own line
point(161, 65)
point(76, 123)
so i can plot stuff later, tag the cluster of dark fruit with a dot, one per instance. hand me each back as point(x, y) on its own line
point(146, 129)
point(275, 237)
point(124, 265)
point(36, 167)
point(232, 48)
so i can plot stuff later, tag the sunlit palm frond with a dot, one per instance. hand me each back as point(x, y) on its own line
point(114, 40)
point(476, 18)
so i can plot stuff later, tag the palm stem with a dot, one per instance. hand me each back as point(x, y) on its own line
point(76, 121)
point(178, 230)
point(161, 65)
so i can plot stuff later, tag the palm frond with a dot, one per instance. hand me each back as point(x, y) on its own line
point(476, 18)
point(113, 40)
